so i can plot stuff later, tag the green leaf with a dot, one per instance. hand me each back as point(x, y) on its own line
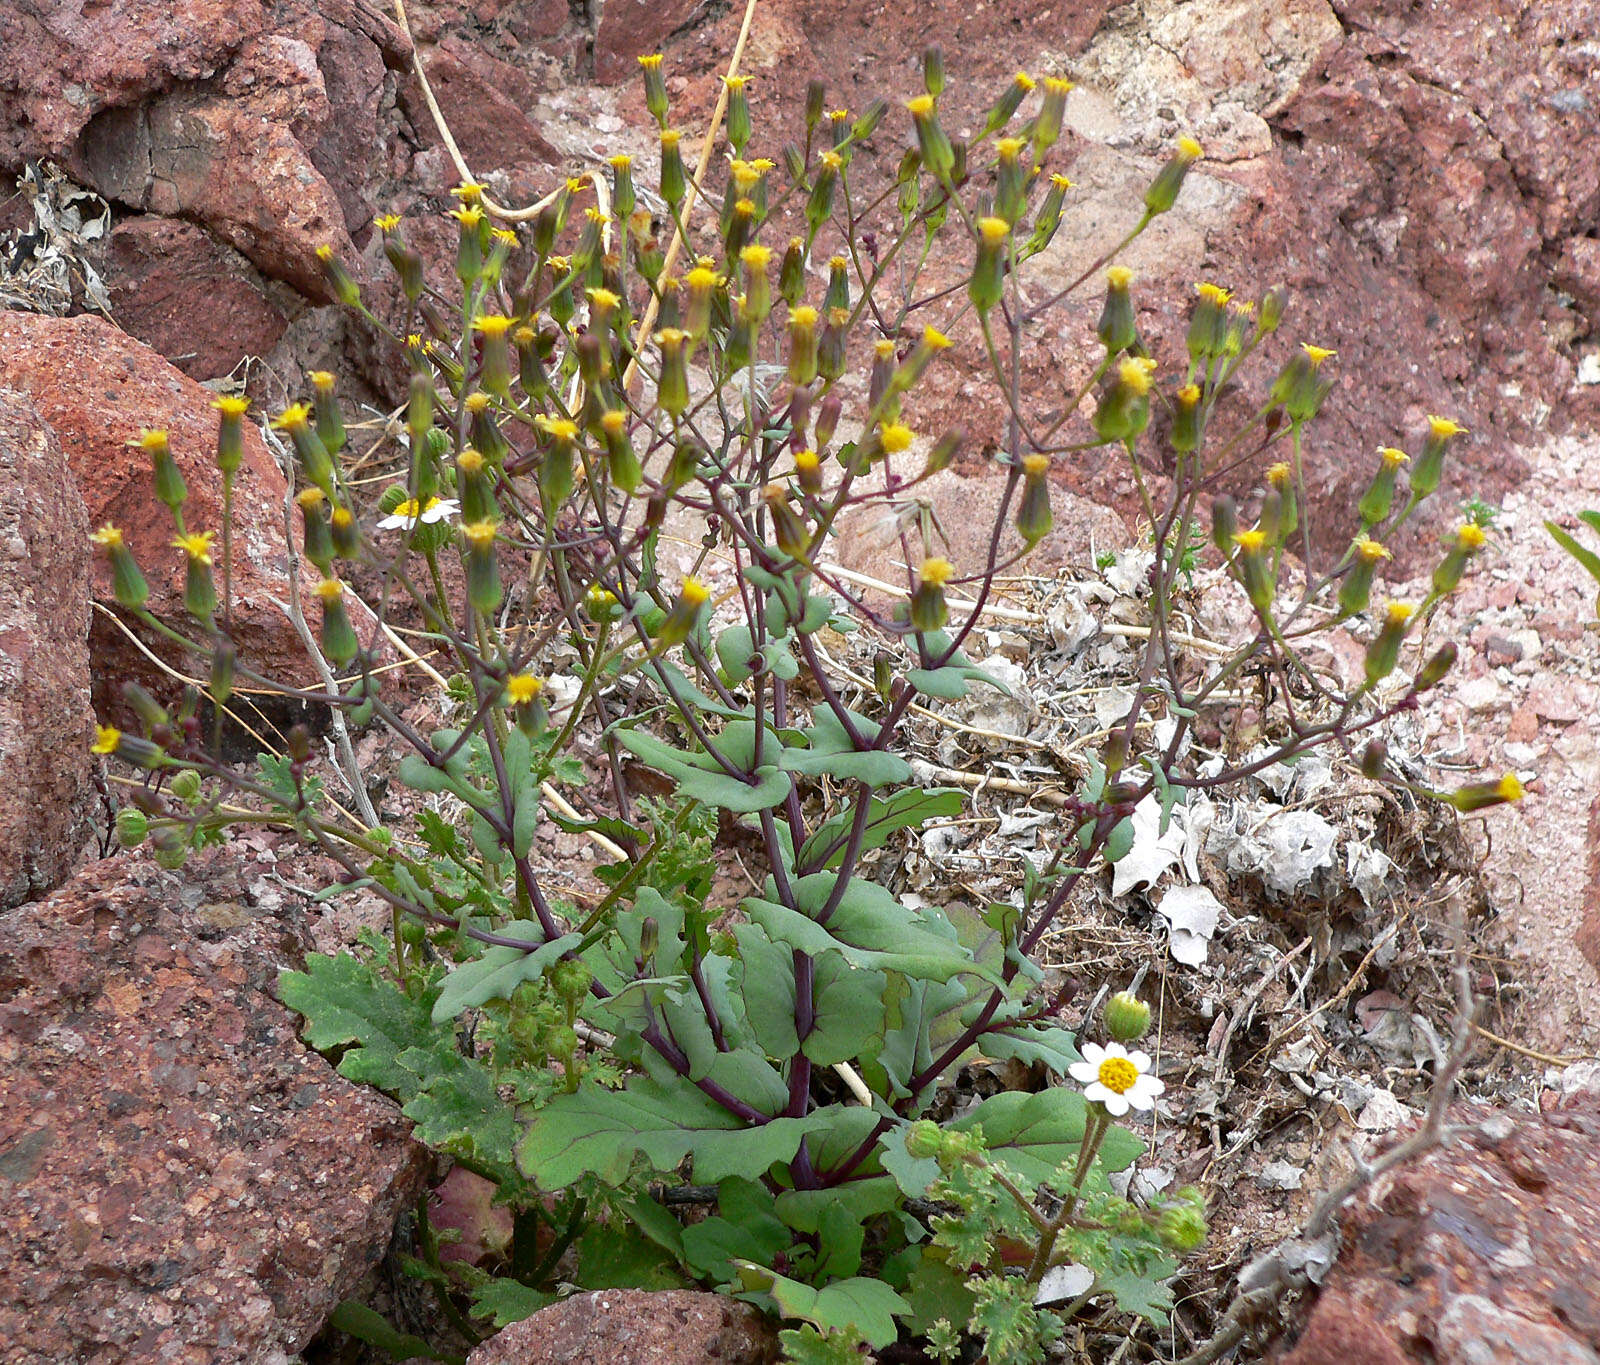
point(345, 1001)
point(734, 648)
point(936, 1291)
point(459, 1110)
point(1590, 518)
point(1055, 1047)
point(1586, 557)
point(1143, 1294)
point(1039, 1134)
point(868, 1306)
point(507, 1301)
point(869, 927)
point(499, 970)
point(745, 1227)
point(903, 810)
point(364, 1324)
point(700, 776)
point(1120, 840)
point(807, 1346)
point(622, 1258)
point(849, 1012)
point(765, 978)
point(600, 1132)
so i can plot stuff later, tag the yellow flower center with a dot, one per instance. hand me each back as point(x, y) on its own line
point(896, 437)
point(106, 737)
point(1510, 788)
point(523, 688)
point(935, 572)
point(1119, 277)
point(1118, 1074)
point(694, 592)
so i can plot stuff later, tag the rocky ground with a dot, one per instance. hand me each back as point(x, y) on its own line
point(179, 1179)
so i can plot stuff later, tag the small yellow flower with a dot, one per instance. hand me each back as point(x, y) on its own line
point(1189, 395)
point(1035, 464)
point(1251, 542)
point(935, 572)
point(831, 159)
point(1369, 551)
point(468, 192)
point(755, 256)
point(1510, 788)
point(1061, 182)
point(493, 324)
point(1119, 277)
point(108, 537)
point(613, 421)
point(505, 236)
point(1279, 475)
point(1316, 354)
point(1398, 613)
point(1055, 85)
point(522, 688)
point(1189, 149)
point(694, 592)
point(295, 417)
point(1393, 457)
point(1213, 293)
point(1444, 428)
point(469, 217)
point(329, 590)
point(896, 437)
point(921, 106)
point(993, 230)
point(152, 442)
point(106, 739)
point(387, 222)
point(479, 534)
point(1024, 81)
point(324, 252)
point(934, 339)
point(560, 428)
point(883, 348)
point(470, 461)
point(196, 545)
point(231, 405)
point(651, 61)
point(802, 317)
point(1135, 372)
point(1470, 536)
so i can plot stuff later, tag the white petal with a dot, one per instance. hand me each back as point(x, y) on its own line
point(1098, 1093)
point(1082, 1072)
point(1116, 1050)
point(1140, 1060)
point(1093, 1054)
point(393, 523)
point(1116, 1105)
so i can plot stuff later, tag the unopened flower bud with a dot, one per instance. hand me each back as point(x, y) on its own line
point(829, 412)
point(1469, 539)
point(655, 87)
point(1356, 590)
point(1034, 516)
point(988, 274)
point(1005, 108)
point(1124, 408)
point(224, 661)
point(1384, 651)
point(1428, 471)
point(315, 530)
point(483, 569)
point(673, 181)
point(802, 345)
point(1431, 674)
point(1117, 329)
point(128, 585)
point(556, 468)
point(1255, 572)
point(1300, 385)
point(673, 387)
point(1126, 1017)
point(199, 589)
point(339, 641)
point(1270, 312)
point(929, 610)
point(1374, 759)
point(340, 281)
point(1377, 501)
point(230, 432)
point(738, 116)
point(1047, 126)
point(1187, 420)
point(937, 154)
point(1482, 795)
point(330, 421)
point(1208, 324)
point(133, 827)
point(1163, 191)
point(1224, 522)
point(945, 449)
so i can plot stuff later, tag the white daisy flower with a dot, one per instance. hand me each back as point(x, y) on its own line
point(1116, 1078)
point(407, 514)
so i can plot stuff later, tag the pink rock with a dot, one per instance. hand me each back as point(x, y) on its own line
point(46, 772)
point(635, 1327)
point(180, 1179)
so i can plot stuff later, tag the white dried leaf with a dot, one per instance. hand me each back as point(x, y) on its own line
point(1062, 1284)
point(1152, 852)
point(1193, 913)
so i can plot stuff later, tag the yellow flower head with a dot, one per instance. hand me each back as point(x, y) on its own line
point(702, 278)
point(1317, 354)
point(470, 460)
point(1135, 373)
point(559, 428)
point(152, 442)
point(831, 159)
point(106, 739)
point(1189, 149)
point(324, 252)
point(613, 422)
point(621, 162)
point(330, 590)
point(671, 338)
point(295, 417)
point(883, 348)
point(321, 380)
point(1510, 788)
point(468, 192)
point(651, 61)
point(736, 83)
point(108, 537)
point(1444, 428)
point(896, 437)
point(197, 545)
point(1035, 465)
point(1393, 457)
point(802, 317)
point(309, 499)
point(1251, 542)
point(387, 222)
point(604, 299)
point(1396, 614)
point(1369, 551)
point(1023, 81)
point(1280, 475)
point(522, 688)
point(231, 405)
point(935, 572)
point(921, 106)
point(479, 534)
point(670, 138)
point(477, 402)
point(1470, 536)
point(1119, 277)
point(1061, 182)
point(934, 339)
point(694, 592)
point(1213, 293)
point(505, 236)
point(806, 461)
point(993, 230)
point(1009, 148)
point(469, 217)
point(1189, 395)
point(755, 257)
point(1055, 85)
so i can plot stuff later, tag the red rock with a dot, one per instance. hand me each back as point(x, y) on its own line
point(634, 1327)
point(630, 29)
point(1482, 1251)
point(1588, 935)
point(46, 772)
point(484, 101)
point(197, 303)
point(180, 1179)
point(97, 387)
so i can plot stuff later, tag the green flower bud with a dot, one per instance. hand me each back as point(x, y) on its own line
point(1384, 651)
point(1378, 500)
point(988, 275)
point(1374, 760)
point(339, 641)
point(1163, 191)
point(1188, 424)
point(937, 154)
point(1048, 219)
point(1124, 408)
point(1182, 1229)
point(1011, 180)
point(1428, 472)
point(816, 93)
point(128, 585)
point(1117, 329)
point(1270, 313)
point(802, 345)
point(1224, 522)
point(340, 281)
point(655, 88)
point(738, 116)
point(683, 615)
point(330, 421)
point(1432, 673)
point(1208, 324)
point(1034, 515)
point(199, 591)
point(224, 660)
point(230, 433)
point(924, 1139)
point(556, 468)
point(672, 391)
point(819, 203)
point(1047, 126)
point(133, 827)
point(1005, 108)
point(1468, 541)
point(673, 181)
point(1300, 386)
point(483, 569)
point(929, 610)
point(1356, 590)
point(1127, 1018)
point(622, 462)
point(170, 488)
point(185, 785)
point(1255, 573)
